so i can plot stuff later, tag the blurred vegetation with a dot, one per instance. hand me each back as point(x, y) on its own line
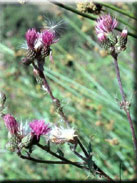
point(82, 77)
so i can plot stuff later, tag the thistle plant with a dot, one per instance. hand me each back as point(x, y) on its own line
point(22, 138)
point(114, 45)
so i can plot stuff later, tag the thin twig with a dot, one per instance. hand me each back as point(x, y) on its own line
point(54, 100)
point(45, 148)
point(83, 148)
point(42, 161)
point(125, 105)
point(76, 153)
point(101, 172)
point(79, 155)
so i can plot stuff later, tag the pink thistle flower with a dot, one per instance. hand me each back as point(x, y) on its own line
point(105, 24)
point(48, 38)
point(11, 123)
point(101, 37)
point(31, 36)
point(39, 127)
point(124, 33)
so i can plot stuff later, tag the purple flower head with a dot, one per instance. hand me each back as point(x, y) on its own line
point(39, 127)
point(11, 123)
point(105, 24)
point(31, 36)
point(48, 37)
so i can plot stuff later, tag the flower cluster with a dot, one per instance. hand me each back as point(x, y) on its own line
point(38, 44)
point(36, 40)
point(104, 30)
point(27, 135)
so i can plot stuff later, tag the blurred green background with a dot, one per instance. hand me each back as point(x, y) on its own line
point(82, 77)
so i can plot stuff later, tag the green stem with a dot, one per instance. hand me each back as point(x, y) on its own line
point(127, 24)
point(74, 10)
point(110, 6)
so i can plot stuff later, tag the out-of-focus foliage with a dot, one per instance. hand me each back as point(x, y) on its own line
point(82, 77)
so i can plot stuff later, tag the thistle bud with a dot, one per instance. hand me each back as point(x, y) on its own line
point(104, 42)
point(123, 39)
point(30, 56)
point(124, 33)
point(26, 141)
point(45, 51)
point(11, 123)
point(13, 142)
point(112, 38)
point(10, 147)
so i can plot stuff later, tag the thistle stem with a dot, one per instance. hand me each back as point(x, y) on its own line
point(101, 172)
point(83, 148)
point(43, 161)
point(124, 101)
point(45, 148)
point(54, 100)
